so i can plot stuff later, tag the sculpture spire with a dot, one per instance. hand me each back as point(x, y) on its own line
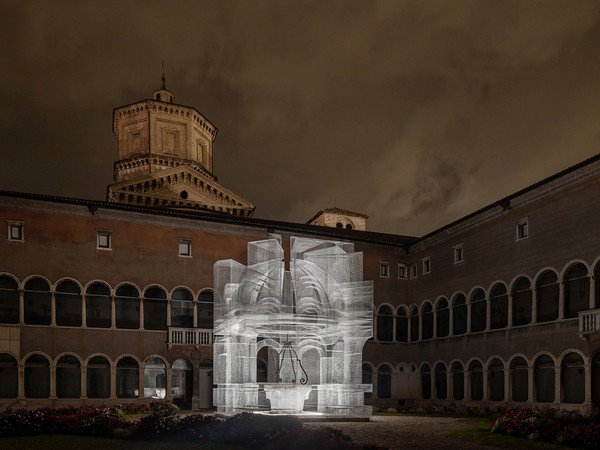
point(163, 87)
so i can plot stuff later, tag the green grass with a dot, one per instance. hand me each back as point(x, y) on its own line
point(480, 434)
point(70, 442)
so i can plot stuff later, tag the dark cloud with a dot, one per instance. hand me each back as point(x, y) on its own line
point(413, 112)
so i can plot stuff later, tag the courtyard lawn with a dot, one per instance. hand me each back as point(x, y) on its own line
point(480, 433)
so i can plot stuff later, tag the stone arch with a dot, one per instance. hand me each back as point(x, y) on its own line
point(544, 366)
point(127, 376)
point(576, 288)
point(518, 370)
point(414, 323)
point(521, 289)
point(477, 301)
point(155, 377)
point(440, 371)
point(181, 302)
point(457, 369)
point(475, 370)
point(127, 305)
point(427, 320)
point(572, 377)
point(547, 295)
point(37, 300)
point(10, 306)
point(154, 300)
point(442, 316)
point(68, 296)
point(205, 304)
point(385, 323)
point(498, 304)
point(459, 313)
point(402, 318)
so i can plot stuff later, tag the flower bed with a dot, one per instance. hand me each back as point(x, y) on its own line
point(565, 428)
point(162, 424)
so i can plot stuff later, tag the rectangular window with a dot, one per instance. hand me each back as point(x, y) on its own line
point(426, 265)
point(384, 270)
point(458, 254)
point(522, 229)
point(103, 240)
point(185, 247)
point(402, 271)
point(413, 271)
point(15, 231)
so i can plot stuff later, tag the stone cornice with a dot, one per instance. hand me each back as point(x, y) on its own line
point(172, 109)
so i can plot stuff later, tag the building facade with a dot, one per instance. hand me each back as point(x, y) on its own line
point(112, 302)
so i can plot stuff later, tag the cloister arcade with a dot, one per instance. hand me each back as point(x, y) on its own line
point(69, 376)
point(570, 378)
point(549, 296)
point(36, 301)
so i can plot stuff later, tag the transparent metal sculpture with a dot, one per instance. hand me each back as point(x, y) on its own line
point(309, 323)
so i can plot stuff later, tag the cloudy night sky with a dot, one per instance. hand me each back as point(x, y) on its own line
point(413, 112)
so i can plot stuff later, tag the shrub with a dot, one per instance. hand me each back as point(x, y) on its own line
point(566, 428)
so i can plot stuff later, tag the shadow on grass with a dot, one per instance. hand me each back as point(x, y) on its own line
point(480, 433)
point(71, 442)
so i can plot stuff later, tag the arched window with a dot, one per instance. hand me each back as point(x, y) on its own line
point(68, 377)
point(205, 309)
point(182, 309)
point(441, 381)
point(498, 307)
point(543, 373)
point(496, 380)
point(68, 304)
point(476, 380)
point(9, 300)
point(442, 318)
point(458, 381)
point(97, 306)
point(459, 315)
point(547, 296)
point(155, 378)
point(98, 377)
point(521, 304)
point(414, 324)
point(478, 311)
point(401, 325)
point(127, 307)
point(519, 377)
point(38, 302)
point(384, 381)
point(9, 376)
point(385, 324)
point(182, 383)
point(37, 377)
point(127, 378)
point(426, 381)
point(577, 290)
point(573, 378)
point(427, 321)
point(367, 377)
point(155, 309)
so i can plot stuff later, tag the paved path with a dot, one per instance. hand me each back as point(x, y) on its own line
point(406, 432)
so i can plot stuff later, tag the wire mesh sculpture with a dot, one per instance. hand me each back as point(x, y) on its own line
point(311, 321)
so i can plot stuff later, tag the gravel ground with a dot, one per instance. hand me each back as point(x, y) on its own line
point(406, 432)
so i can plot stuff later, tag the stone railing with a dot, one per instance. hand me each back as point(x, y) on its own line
point(190, 336)
point(589, 322)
